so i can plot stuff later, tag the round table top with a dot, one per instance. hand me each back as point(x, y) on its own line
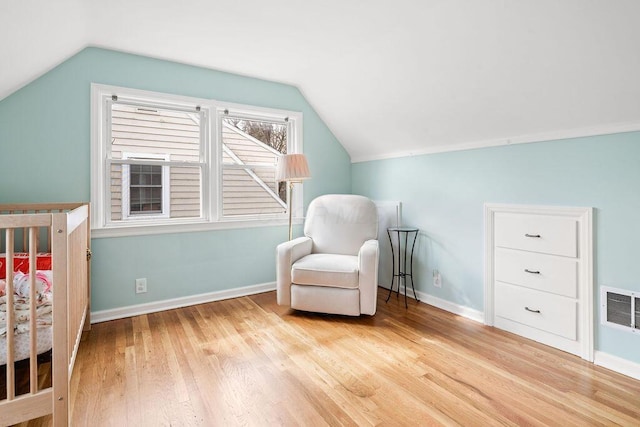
point(403, 229)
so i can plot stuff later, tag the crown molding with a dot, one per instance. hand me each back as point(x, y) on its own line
point(521, 139)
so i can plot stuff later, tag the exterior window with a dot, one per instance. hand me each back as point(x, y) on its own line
point(169, 161)
point(250, 151)
point(145, 187)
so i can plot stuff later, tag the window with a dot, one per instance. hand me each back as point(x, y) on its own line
point(250, 151)
point(145, 187)
point(165, 163)
point(156, 157)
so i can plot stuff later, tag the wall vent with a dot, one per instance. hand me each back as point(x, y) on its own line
point(620, 308)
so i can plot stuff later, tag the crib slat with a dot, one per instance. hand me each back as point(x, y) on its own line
point(33, 326)
point(49, 239)
point(10, 314)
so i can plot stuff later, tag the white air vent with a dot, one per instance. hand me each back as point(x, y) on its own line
point(620, 308)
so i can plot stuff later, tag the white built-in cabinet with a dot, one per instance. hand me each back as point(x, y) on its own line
point(539, 274)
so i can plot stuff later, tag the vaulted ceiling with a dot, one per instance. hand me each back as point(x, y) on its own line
point(388, 77)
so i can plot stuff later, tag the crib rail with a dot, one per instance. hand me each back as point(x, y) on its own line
point(63, 230)
point(34, 208)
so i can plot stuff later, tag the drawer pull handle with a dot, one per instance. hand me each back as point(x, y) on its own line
point(533, 311)
point(526, 270)
point(537, 236)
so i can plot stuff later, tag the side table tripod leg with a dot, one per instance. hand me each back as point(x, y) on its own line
point(393, 269)
point(414, 290)
point(405, 292)
point(390, 289)
point(404, 268)
point(413, 246)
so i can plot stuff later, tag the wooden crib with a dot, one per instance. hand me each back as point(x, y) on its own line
point(63, 230)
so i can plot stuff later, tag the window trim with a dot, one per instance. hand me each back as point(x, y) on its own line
point(211, 166)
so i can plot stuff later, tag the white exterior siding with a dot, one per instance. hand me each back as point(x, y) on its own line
point(243, 195)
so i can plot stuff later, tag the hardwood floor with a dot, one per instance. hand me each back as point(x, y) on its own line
point(247, 361)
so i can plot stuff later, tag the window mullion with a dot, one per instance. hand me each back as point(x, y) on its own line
point(216, 190)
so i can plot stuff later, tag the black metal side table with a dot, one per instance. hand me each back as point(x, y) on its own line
point(402, 273)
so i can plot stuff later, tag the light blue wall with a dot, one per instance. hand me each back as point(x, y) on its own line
point(44, 157)
point(443, 195)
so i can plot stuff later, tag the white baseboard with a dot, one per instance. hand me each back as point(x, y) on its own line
point(445, 305)
point(451, 307)
point(617, 364)
point(169, 304)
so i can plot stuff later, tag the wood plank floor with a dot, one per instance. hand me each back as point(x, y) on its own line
point(247, 361)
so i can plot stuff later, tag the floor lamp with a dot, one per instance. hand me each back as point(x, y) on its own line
point(292, 168)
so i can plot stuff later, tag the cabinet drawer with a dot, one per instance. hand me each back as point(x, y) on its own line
point(548, 273)
point(557, 314)
point(537, 233)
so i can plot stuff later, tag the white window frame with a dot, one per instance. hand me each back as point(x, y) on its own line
point(126, 188)
point(211, 173)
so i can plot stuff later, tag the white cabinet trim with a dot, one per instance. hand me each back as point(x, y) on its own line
point(584, 216)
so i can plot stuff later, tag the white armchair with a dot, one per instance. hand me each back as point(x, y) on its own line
point(334, 267)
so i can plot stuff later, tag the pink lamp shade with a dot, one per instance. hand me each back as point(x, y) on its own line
point(292, 168)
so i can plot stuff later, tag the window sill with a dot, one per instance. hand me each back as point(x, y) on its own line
point(151, 229)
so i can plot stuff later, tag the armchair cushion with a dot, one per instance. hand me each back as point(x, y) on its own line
point(339, 271)
point(341, 223)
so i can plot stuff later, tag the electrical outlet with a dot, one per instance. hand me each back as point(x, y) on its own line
point(141, 286)
point(437, 280)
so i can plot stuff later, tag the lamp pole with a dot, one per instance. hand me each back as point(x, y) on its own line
point(290, 198)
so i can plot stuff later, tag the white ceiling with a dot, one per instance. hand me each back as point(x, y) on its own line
point(388, 77)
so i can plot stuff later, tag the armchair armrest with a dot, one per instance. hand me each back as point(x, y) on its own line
point(368, 276)
point(286, 254)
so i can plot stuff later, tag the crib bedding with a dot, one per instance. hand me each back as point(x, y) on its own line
point(21, 262)
point(22, 344)
point(22, 314)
